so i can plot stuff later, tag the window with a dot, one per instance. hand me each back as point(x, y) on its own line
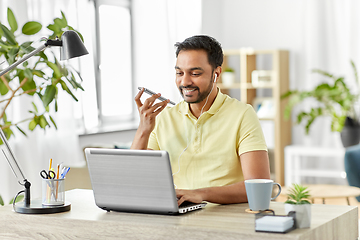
point(113, 63)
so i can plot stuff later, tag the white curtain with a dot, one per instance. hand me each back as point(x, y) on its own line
point(33, 152)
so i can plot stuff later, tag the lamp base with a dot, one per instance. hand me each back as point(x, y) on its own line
point(36, 207)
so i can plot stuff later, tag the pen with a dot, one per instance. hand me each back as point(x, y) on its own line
point(152, 93)
point(66, 170)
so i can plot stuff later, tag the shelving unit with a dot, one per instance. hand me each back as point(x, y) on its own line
point(279, 85)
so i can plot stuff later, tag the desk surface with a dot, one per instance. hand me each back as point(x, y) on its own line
point(86, 221)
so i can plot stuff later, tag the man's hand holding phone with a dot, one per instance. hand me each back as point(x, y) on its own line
point(148, 111)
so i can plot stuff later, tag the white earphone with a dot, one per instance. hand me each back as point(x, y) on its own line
point(215, 78)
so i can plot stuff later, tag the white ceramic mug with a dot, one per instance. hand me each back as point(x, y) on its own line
point(258, 193)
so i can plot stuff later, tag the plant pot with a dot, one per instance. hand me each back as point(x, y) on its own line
point(350, 135)
point(227, 79)
point(303, 214)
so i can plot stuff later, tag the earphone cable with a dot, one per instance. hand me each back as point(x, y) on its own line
point(187, 137)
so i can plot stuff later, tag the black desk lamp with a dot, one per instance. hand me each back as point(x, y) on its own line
point(71, 46)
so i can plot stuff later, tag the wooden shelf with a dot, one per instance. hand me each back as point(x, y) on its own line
point(245, 86)
point(279, 85)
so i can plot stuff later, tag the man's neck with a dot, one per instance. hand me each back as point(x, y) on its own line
point(198, 108)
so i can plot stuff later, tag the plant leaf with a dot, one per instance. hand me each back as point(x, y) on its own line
point(56, 105)
point(355, 71)
point(18, 199)
point(54, 28)
point(26, 47)
point(1, 35)
point(60, 23)
point(1, 201)
point(298, 194)
point(29, 85)
point(49, 95)
point(22, 131)
point(64, 18)
point(12, 20)
point(324, 73)
point(10, 38)
point(55, 68)
point(36, 110)
point(32, 125)
point(12, 55)
point(52, 120)
point(28, 74)
point(3, 89)
point(31, 28)
point(38, 73)
point(43, 122)
point(65, 87)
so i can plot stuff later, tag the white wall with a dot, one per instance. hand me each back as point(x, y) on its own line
point(261, 24)
point(264, 24)
point(280, 24)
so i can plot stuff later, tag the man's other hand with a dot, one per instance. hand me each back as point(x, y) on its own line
point(193, 196)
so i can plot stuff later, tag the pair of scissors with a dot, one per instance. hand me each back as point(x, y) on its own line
point(47, 175)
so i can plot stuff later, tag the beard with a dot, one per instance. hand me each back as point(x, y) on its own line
point(201, 94)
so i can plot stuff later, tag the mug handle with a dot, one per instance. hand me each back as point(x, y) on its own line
point(278, 191)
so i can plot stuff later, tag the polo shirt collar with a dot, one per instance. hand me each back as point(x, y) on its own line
point(219, 100)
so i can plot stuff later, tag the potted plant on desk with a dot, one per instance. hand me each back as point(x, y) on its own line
point(228, 77)
point(298, 202)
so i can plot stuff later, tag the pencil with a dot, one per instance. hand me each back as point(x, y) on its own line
point(49, 188)
point(50, 163)
point(57, 182)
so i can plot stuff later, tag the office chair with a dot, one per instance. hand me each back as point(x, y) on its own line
point(352, 166)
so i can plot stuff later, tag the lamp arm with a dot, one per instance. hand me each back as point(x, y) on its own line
point(26, 57)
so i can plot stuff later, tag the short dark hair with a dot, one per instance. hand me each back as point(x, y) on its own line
point(203, 42)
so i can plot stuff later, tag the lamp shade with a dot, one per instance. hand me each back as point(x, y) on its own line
point(72, 46)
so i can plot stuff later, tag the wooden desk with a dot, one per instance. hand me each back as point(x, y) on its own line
point(86, 221)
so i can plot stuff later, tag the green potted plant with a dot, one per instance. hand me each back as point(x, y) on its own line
point(228, 77)
point(43, 77)
point(334, 99)
point(297, 201)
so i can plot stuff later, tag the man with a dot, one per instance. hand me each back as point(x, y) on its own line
point(215, 142)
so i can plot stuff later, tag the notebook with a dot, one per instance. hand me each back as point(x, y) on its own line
point(134, 181)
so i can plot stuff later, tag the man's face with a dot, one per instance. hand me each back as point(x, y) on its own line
point(194, 75)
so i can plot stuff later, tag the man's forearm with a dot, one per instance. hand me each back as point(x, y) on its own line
point(140, 141)
point(234, 193)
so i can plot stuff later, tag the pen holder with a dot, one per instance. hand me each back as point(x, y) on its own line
point(53, 191)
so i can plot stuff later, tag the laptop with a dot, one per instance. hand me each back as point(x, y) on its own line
point(134, 181)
